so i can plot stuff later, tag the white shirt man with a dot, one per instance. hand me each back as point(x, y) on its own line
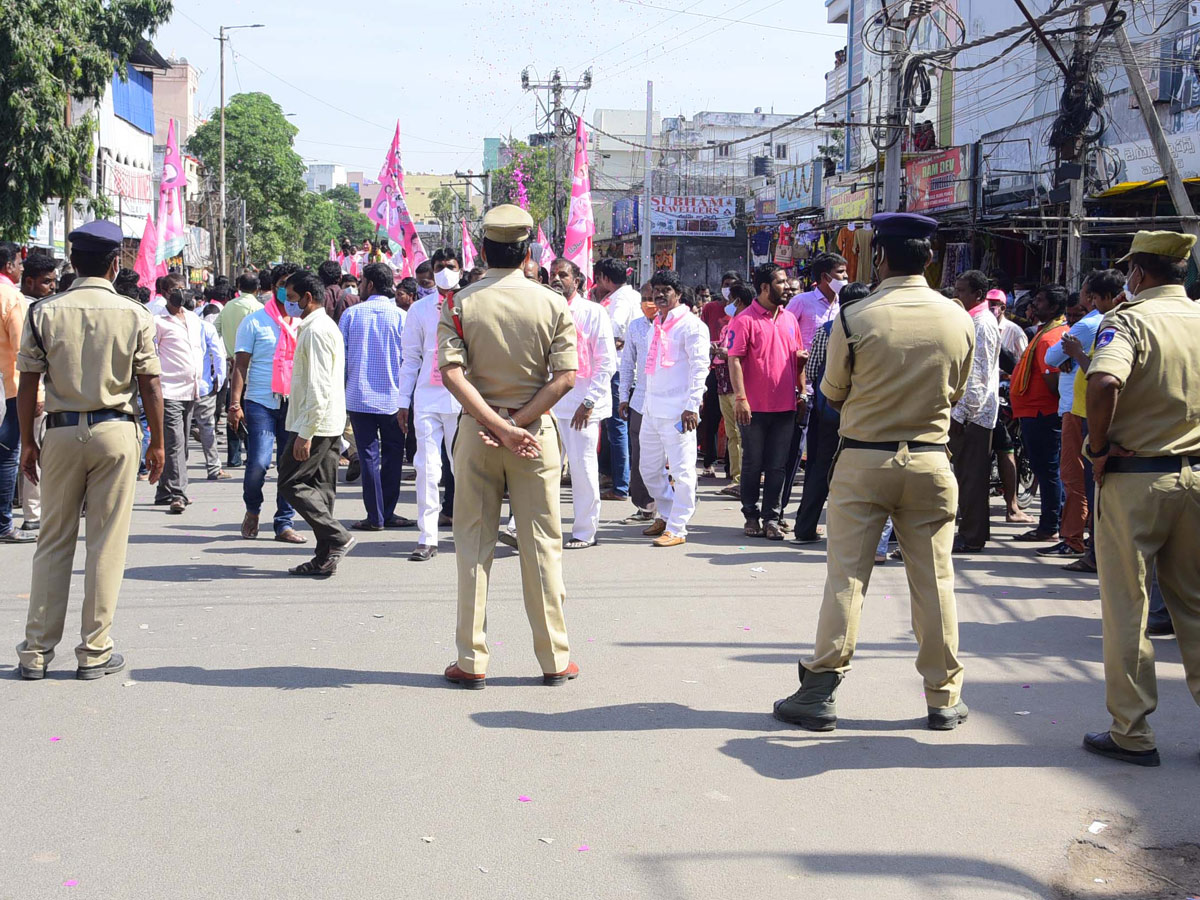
point(624, 306)
point(179, 339)
point(436, 412)
point(580, 412)
point(677, 362)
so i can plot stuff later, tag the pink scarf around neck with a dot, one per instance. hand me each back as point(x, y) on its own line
point(660, 345)
point(285, 350)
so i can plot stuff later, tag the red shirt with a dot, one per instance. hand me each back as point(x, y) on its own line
point(1037, 399)
point(768, 346)
point(713, 314)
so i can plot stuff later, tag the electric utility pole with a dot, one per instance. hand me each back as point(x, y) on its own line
point(895, 134)
point(647, 268)
point(560, 121)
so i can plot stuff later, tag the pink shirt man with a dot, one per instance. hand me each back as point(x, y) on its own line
point(768, 346)
point(812, 310)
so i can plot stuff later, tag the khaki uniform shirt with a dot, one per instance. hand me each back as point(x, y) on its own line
point(912, 356)
point(515, 333)
point(1151, 345)
point(90, 342)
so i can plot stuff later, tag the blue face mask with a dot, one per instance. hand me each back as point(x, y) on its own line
point(731, 309)
point(292, 309)
point(281, 294)
point(426, 291)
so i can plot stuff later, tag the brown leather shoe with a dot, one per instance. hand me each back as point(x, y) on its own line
point(666, 539)
point(291, 536)
point(422, 553)
point(613, 495)
point(250, 526)
point(554, 679)
point(465, 679)
point(657, 527)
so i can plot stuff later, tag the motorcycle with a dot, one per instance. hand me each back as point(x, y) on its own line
point(1026, 483)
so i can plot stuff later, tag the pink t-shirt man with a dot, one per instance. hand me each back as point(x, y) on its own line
point(768, 344)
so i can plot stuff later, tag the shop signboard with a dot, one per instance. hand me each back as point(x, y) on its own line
point(799, 187)
point(939, 181)
point(692, 216)
point(1137, 163)
point(848, 202)
point(664, 256)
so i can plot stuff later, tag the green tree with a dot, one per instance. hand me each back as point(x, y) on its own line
point(53, 50)
point(535, 163)
point(261, 168)
point(321, 225)
point(352, 222)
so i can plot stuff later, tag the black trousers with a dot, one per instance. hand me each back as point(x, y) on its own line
point(637, 488)
point(822, 446)
point(971, 455)
point(710, 420)
point(793, 461)
point(309, 486)
point(765, 443)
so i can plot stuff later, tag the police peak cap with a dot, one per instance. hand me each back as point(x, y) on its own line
point(903, 225)
point(1161, 243)
point(96, 237)
point(507, 224)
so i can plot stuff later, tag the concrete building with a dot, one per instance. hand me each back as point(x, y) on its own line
point(175, 98)
point(322, 177)
point(616, 166)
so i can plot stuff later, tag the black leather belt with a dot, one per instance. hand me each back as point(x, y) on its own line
point(67, 419)
point(1151, 463)
point(889, 446)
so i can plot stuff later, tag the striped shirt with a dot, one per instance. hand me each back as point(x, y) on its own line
point(371, 331)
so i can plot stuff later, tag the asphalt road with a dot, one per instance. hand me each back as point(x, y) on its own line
point(283, 738)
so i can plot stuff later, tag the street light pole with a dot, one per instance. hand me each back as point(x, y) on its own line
point(221, 249)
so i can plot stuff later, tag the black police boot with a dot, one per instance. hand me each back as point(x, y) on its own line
point(812, 706)
point(947, 719)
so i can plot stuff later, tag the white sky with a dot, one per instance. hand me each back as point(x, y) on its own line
point(453, 78)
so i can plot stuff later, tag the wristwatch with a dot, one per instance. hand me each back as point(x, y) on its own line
point(589, 405)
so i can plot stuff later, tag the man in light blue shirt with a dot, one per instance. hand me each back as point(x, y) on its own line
point(1071, 466)
point(262, 409)
point(371, 331)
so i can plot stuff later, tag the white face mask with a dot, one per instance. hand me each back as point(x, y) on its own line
point(725, 292)
point(447, 279)
point(731, 309)
point(1129, 292)
point(836, 285)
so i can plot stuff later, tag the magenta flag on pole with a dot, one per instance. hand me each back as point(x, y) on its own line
point(547, 258)
point(172, 231)
point(468, 248)
point(148, 270)
point(390, 210)
point(581, 222)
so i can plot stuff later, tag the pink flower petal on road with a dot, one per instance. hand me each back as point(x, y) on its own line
point(55, 739)
point(582, 848)
point(71, 883)
point(523, 799)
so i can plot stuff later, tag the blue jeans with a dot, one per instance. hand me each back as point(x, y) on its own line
point(381, 455)
point(10, 459)
point(617, 430)
point(264, 433)
point(1042, 436)
point(885, 538)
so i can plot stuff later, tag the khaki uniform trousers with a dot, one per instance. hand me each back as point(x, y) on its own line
point(919, 491)
point(1146, 522)
point(97, 465)
point(481, 473)
point(733, 438)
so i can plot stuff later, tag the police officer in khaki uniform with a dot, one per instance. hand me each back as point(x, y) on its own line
point(1143, 413)
point(91, 343)
point(897, 362)
point(507, 352)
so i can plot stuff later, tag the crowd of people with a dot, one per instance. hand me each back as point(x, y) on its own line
point(645, 392)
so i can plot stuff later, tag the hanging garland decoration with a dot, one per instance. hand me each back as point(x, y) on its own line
point(519, 178)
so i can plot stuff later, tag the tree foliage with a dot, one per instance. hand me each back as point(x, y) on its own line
point(52, 50)
point(352, 222)
point(535, 163)
point(331, 216)
point(262, 169)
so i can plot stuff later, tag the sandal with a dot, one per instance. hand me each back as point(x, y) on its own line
point(896, 555)
point(960, 547)
point(880, 560)
point(576, 544)
point(1036, 537)
point(250, 526)
point(1083, 564)
point(752, 529)
point(312, 568)
point(366, 525)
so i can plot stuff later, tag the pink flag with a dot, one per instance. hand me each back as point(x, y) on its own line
point(547, 258)
point(148, 270)
point(581, 222)
point(468, 248)
point(333, 251)
point(390, 210)
point(172, 233)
